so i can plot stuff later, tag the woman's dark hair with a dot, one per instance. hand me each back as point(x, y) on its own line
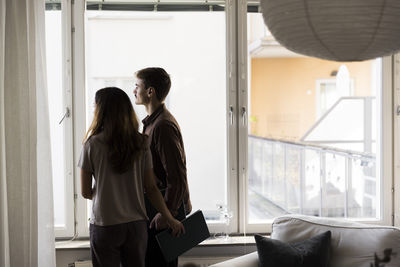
point(157, 78)
point(115, 117)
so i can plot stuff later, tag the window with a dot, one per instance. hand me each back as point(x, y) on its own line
point(59, 96)
point(120, 43)
point(320, 159)
point(266, 131)
point(328, 93)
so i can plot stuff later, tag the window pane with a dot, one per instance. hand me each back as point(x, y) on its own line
point(191, 47)
point(293, 178)
point(311, 191)
point(56, 111)
point(363, 188)
point(321, 121)
point(334, 186)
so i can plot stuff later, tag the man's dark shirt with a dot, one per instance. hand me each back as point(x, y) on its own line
point(169, 159)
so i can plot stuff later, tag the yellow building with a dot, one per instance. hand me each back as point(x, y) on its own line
point(286, 93)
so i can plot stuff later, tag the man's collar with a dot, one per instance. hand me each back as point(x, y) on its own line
point(151, 118)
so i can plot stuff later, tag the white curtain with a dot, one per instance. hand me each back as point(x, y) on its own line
point(26, 200)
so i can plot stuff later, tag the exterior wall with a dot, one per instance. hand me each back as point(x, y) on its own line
point(283, 93)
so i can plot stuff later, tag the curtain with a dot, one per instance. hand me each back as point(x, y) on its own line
point(26, 200)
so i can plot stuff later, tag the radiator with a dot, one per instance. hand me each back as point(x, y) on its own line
point(81, 264)
point(183, 262)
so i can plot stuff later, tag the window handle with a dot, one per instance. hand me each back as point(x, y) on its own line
point(231, 114)
point(244, 115)
point(66, 115)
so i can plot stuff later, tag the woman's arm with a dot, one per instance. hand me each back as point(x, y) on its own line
point(157, 201)
point(86, 184)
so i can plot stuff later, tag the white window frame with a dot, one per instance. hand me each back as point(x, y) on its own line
point(386, 154)
point(242, 116)
point(68, 229)
point(79, 100)
point(396, 146)
point(386, 136)
point(236, 117)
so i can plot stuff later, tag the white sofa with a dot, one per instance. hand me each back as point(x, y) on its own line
point(352, 244)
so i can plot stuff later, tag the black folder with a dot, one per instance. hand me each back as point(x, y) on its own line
point(196, 231)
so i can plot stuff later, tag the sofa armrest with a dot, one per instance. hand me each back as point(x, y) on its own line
point(248, 260)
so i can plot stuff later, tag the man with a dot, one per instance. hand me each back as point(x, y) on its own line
point(169, 160)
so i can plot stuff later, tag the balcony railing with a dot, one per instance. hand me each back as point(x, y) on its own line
point(293, 177)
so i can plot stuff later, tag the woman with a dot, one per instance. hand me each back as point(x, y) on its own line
point(116, 155)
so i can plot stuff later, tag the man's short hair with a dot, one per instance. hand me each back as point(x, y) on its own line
point(157, 78)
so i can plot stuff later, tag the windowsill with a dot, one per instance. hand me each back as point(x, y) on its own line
point(211, 242)
point(75, 244)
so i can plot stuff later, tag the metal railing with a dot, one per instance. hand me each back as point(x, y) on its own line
point(296, 177)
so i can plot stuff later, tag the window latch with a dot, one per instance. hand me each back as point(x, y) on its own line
point(231, 114)
point(66, 115)
point(244, 115)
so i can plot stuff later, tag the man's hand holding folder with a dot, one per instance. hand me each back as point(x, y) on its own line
point(195, 231)
point(159, 222)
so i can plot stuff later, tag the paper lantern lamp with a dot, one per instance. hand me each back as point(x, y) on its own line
point(340, 30)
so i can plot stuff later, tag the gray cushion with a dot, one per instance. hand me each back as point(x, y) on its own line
point(313, 252)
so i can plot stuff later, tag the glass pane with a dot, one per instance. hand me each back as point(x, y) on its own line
point(334, 186)
point(319, 117)
point(363, 195)
point(293, 178)
point(311, 191)
point(56, 111)
point(120, 43)
point(278, 196)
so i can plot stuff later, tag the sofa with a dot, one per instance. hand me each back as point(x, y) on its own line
point(352, 244)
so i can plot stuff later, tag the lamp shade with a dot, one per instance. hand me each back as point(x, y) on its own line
point(340, 30)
